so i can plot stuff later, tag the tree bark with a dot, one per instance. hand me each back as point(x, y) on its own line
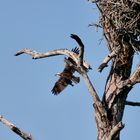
point(120, 31)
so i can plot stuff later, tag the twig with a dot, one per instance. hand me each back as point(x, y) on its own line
point(115, 131)
point(15, 129)
point(95, 25)
point(130, 103)
point(94, 1)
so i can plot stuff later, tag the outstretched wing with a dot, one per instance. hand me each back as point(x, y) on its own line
point(64, 80)
point(66, 76)
point(60, 85)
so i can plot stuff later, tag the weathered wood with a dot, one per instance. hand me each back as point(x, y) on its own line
point(15, 129)
point(66, 52)
point(121, 30)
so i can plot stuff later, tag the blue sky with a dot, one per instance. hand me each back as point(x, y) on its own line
point(26, 84)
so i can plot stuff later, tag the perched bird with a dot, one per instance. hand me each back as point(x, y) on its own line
point(66, 77)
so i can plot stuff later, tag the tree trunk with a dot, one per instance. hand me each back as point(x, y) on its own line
point(120, 37)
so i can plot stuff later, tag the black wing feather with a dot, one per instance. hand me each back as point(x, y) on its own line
point(75, 50)
point(60, 85)
point(77, 39)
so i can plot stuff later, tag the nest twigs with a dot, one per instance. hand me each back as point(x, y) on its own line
point(121, 18)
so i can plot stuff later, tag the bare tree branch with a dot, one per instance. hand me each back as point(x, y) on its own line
point(66, 52)
point(131, 81)
point(15, 129)
point(90, 87)
point(135, 77)
point(81, 48)
point(38, 55)
point(107, 59)
point(130, 103)
point(93, 93)
point(115, 131)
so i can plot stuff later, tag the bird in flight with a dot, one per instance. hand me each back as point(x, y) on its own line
point(66, 77)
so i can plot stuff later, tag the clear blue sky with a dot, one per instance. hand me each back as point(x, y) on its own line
point(25, 93)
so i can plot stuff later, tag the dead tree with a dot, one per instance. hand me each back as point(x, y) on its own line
point(120, 21)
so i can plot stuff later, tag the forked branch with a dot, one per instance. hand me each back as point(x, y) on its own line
point(15, 129)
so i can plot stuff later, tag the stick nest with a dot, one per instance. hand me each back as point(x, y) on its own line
point(121, 22)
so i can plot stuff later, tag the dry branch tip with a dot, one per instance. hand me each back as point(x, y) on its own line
point(15, 129)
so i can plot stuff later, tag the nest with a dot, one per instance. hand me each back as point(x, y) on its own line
point(121, 22)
